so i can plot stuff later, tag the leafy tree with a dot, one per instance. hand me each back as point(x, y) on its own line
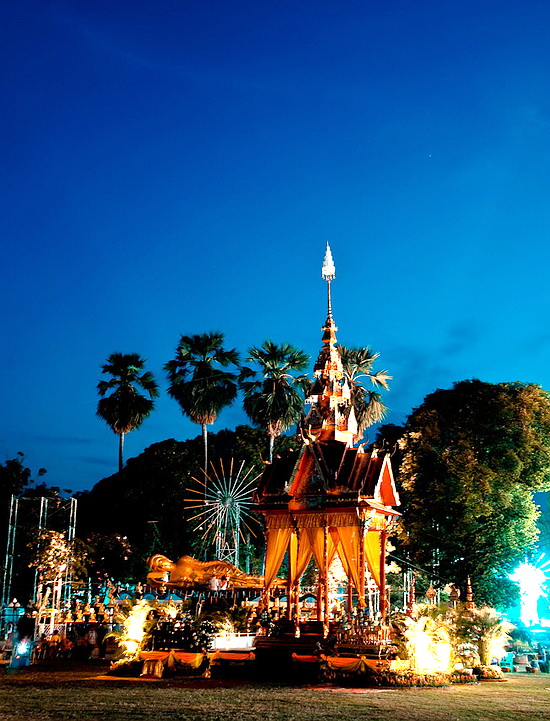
point(109, 556)
point(14, 479)
point(472, 458)
point(152, 488)
point(367, 404)
point(54, 555)
point(199, 381)
point(125, 409)
point(272, 399)
point(486, 629)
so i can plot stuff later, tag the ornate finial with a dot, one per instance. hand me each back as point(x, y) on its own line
point(454, 595)
point(329, 270)
point(431, 594)
point(328, 273)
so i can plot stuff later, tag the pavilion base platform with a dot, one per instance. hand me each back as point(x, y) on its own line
point(289, 654)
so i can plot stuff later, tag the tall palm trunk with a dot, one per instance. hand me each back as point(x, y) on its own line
point(271, 444)
point(205, 442)
point(120, 451)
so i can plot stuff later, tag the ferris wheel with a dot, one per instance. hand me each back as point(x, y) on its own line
point(221, 505)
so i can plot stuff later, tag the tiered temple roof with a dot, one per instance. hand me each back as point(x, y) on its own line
point(329, 471)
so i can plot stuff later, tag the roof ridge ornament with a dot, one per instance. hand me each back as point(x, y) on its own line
point(328, 273)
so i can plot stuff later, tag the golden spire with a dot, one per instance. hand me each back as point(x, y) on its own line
point(331, 416)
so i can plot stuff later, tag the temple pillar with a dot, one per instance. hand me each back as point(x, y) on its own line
point(289, 590)
point(383, 604)
point(326, 614)
point(361, 589)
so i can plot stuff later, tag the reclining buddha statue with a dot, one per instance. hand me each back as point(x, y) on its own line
point(188, 571)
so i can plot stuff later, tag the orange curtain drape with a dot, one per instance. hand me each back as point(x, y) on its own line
point(348, 550)
point(316, 538)
point(300, 555)
point(276, 544)
point(372, 554)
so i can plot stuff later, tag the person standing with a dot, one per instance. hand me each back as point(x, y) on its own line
point(91, 638)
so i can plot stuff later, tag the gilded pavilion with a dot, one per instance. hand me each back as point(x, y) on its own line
point(331, 497)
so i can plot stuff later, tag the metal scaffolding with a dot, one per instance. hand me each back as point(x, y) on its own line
point(52, 512)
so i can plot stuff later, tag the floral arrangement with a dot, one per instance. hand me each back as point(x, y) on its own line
point(462, 676)
point(197, 635)
point(489, 673)
point(371, 677)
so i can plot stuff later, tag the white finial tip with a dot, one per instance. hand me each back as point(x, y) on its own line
point(329, 270)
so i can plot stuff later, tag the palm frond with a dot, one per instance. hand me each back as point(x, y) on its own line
point(197, 379)
point(272, 391)
point(125, 409)
point(368, 405)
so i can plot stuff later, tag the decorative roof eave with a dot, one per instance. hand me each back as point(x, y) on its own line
point(378, 507)
point(327, 504)
point(385, 489)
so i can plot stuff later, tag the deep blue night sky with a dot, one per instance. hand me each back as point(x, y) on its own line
point(177, 167)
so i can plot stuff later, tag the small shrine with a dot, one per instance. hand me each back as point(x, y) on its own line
point(330, 498)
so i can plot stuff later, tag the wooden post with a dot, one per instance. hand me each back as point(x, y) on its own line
point(361, 589)
point(289, 589)
point(326, 614)
point(383, 537)
point(319, 597)
point(297, 608)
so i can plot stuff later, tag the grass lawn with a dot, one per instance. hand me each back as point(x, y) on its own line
point(83, 693)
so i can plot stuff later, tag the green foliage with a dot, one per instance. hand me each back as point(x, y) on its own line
point(150, 488)
point(109, 555)
point(14, 477)
point(272, 397)
point(485, 628)
point(473, 456)
point(198, 379)
point(53, 556)
point(368, 405)
point(125, 408)
point(235, 619)
point(476, 633)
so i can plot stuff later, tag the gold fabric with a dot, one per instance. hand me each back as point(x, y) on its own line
point(231, 656)
point(349, 665)
point(152, 668)
point(372, 554)
point(300, 556)
point(154, 661)
point(276, 545)
point(348, 550)
point(316, 539)
point(193, 660)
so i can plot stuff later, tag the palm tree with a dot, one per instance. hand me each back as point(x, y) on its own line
point(271, 396)
point(367, 404)
point(125, 409)
point(199, 382)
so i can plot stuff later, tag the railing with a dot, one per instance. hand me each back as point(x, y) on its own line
point(364, 635)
